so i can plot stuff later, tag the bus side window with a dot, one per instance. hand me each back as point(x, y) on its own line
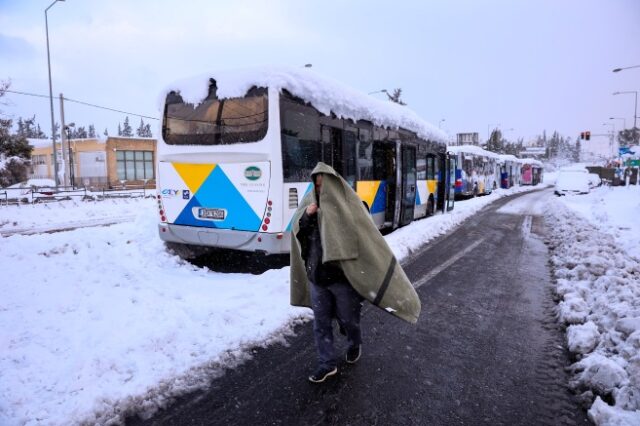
point(349, 156)
point(365, 155)
point(379, 162)
point(301, 148)
point(421, 165)
point(430, 167)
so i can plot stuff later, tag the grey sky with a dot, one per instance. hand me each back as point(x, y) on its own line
point(526, 65)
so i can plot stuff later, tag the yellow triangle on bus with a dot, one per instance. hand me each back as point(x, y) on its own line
point(194, 174)
point(367, 191)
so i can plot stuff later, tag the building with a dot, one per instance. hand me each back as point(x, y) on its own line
point(467, 139)
point(536, 152)
point(599, 147)
point(111, 162)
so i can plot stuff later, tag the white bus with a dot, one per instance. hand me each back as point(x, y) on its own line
point(237, 150)
point(509, 168)
point(475, 172)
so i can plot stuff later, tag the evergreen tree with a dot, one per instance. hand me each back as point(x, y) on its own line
point(127, 131)
point(92, 131)
point(577, 151)
point(30, 127)
point(553, 146)
point(140, 129)
point(106, 132)
point(396, 97)
point(147, 131)
point(495, 142)
point(15, 151)
point(81, 133)
point(119, 130)
point(39, 133)
point(20, 131)
point(629, 137)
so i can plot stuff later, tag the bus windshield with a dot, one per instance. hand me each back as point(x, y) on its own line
point(216, 121)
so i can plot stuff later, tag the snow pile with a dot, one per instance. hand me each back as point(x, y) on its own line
point(70, 214)
point(100, 323)
point(325, 94)
point(598, 282)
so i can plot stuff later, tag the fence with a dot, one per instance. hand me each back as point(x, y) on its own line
point(40, 194)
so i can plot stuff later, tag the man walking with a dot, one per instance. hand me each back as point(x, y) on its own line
point(337, 258)
point(331, 295)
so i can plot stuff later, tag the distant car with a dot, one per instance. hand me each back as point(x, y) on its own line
point(594, 180)
point(574, 181)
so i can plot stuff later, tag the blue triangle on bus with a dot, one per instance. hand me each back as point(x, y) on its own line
point(218, 192)
point(188, 218)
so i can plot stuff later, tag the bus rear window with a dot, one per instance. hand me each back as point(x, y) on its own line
point(216, 121)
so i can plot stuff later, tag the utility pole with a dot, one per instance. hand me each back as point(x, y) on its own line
point(53, 125)
point(65, 144)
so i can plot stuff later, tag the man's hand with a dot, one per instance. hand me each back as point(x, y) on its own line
point(312, 209)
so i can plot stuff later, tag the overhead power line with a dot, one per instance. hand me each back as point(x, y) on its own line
point(83, 103)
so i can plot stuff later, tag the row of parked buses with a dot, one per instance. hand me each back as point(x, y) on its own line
point(479, 172)
point(237, 151)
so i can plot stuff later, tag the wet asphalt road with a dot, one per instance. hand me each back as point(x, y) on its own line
point(486, 350)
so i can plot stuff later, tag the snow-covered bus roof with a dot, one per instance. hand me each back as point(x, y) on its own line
point(472, 149)
point(531, 161)
point(325, 94)
point(509, 157)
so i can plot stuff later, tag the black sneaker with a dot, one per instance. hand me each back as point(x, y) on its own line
point(321, 374)
point(353, 354)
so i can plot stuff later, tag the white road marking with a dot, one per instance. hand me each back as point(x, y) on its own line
point(526, 226)
point(435, 271)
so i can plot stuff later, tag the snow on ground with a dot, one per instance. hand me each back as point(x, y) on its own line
point(69, 214)
point(98, 323)
point(596, 260)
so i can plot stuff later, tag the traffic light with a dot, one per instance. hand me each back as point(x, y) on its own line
point(587, 135)
point(582, 135)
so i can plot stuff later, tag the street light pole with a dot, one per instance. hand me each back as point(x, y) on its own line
point(378, 91)
point(611, 137)
point(626, 68)
point(53, 121)
point(624, 121)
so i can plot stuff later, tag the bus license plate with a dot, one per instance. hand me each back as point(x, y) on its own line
point(217, 214)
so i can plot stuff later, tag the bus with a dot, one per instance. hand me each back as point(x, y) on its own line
point(475, 171)
point(531, 171)
point(509, 166)
point(238, 148)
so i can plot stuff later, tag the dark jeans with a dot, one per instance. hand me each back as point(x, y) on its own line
point(336, 300)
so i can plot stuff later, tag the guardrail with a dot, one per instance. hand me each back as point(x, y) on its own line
point(41, 194)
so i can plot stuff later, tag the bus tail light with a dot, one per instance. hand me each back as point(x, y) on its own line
point(293, 198)
point(458, 183)
point(161, 211)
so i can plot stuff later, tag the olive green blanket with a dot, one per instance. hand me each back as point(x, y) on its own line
point(350, 238)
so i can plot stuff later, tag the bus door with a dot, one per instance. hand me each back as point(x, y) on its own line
point(451, 181)
point(442, 182)
point(385, 171)
point(408, 180)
